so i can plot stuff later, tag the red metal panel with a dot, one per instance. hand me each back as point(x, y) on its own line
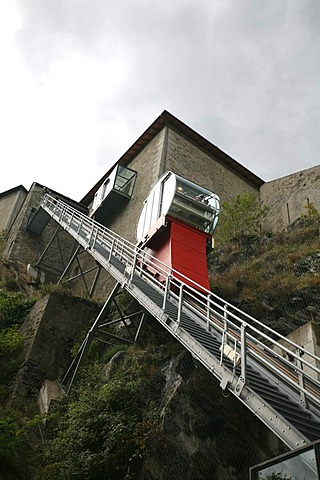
point(182, 248)
point(188, 253)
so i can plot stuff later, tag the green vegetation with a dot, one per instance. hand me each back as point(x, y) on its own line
point(239, 218)
point(102, 430)
point(14, 307)
point(11, 343)
point(13, 446)
point(271, 276)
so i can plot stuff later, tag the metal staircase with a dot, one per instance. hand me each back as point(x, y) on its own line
point(275, 378)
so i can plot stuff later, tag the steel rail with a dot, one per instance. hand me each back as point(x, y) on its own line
point(245, 331)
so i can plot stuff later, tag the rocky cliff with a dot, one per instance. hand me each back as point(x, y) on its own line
point(148, 411)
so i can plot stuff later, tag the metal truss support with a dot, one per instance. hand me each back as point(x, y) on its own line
point(75, 258)
point(99, 331)
point(50, 251)
point(76, 250)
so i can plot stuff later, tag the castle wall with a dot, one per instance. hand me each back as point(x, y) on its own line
point(55, 323)
point(288, 197)
point(10, 205)
point(189, 161)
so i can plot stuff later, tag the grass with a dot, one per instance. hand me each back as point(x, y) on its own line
point(268, 270)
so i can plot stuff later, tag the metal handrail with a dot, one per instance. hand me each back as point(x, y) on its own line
point(245, 333)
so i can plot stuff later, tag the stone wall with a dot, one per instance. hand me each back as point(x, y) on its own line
point(189, 161)
point(147, 164)
point(170, 151)
point(308, 336)
point(55, 324)
point(10, 205)
point(288, 197)
point(26, 247)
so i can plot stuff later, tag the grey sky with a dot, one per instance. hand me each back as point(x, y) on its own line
point(83, 79)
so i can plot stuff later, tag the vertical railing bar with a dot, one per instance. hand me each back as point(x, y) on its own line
point(243, 352)
point(301, 379)
point(166, 291)
point(235, 354)
point(208, 311)
point(95, 235)
point(222, 345)
point(134, 263)
point(111, 249)
point(180, 303)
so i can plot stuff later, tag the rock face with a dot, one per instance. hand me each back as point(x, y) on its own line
point(55, 324)
point(205, 435)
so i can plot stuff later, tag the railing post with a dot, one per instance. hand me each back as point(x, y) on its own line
point(303, 398)
point(225, 316)
point(180, 303)
point(208, 311)
point(80, 225)
point(166, 291)
point(134, 264)
point(224, 339)
point(111, 249)
point(71, 218)
point(61, 212)
point(95, 237)
point(243, 352)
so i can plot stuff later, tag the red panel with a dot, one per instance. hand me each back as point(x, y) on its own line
point(182, 248)
point(188, 253)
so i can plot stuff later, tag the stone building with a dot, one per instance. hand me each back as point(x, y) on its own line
point(167, 144)
point(10, 203)
point(289, 197)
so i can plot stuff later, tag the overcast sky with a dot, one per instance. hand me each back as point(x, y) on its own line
point(82, 79)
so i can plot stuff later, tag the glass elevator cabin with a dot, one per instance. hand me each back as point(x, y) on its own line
point(182, 200)
point(176, 226)
point(114, 194)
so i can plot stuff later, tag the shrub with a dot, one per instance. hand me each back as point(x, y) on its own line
point(13, 308)
point(11, 343)
point(240, 217)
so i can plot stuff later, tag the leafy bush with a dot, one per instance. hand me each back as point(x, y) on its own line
point(11, 343)
point(14, 307)
point(102, 430)
point(16, 453)
point(240, 217)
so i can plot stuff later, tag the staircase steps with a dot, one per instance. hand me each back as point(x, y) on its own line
point(260, 380)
